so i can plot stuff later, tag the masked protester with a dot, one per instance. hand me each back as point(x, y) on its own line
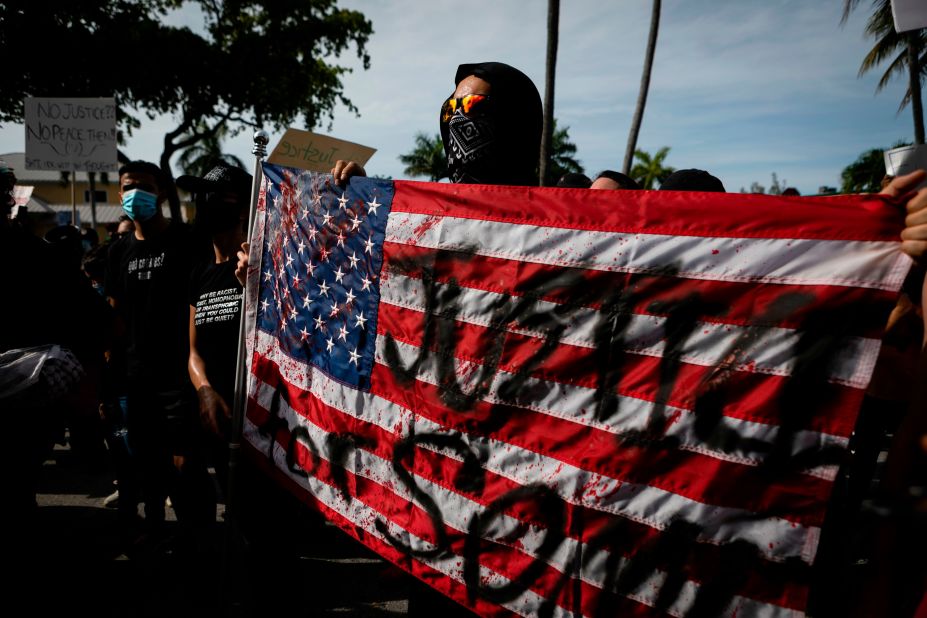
point(490, 126)
point(147, 275)
point(222, 200)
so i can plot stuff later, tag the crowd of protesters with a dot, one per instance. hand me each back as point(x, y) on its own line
point(137, 364)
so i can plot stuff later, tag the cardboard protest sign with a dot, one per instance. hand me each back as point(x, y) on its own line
point(905, 159)
point(317, 153)
point(71, 134)
point(909, 14)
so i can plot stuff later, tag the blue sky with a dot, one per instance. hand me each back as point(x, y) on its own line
point(742, 88)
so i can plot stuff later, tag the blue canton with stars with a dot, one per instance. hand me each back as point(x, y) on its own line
point(320, 269)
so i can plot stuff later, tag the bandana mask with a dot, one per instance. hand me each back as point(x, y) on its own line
point(139, 205)
point(470, 144)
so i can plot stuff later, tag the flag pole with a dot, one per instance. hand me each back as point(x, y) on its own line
point(260, 138)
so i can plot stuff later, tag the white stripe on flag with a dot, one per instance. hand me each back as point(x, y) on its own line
point(871, 264)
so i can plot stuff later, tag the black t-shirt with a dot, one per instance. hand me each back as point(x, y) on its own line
point(45, 301)
point(148, 278)
point(216, 295)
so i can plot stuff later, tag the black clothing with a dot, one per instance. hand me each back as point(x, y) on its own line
point(216, 295)
point(508, 141)
point(148, 278)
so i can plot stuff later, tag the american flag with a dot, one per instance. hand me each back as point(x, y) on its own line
point(568, 402)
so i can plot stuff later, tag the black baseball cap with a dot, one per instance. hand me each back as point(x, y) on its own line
point(221, 178)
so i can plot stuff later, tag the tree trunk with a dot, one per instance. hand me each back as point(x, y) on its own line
point(645, 86)
point(553, 29)
point(173, 200)
point(914, 72)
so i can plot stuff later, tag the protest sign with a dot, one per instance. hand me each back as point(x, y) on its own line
point(316, 153)
point(71, 134)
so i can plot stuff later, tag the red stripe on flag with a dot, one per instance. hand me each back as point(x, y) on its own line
point(665, 212)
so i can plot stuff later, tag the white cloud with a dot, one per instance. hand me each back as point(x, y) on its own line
point(743, 88)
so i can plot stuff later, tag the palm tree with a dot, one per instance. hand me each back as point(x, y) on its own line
point(650, 169)
point(200, 157)
point(562, 156)
point(553, 30)
point(426, 159)
point(907, 51)
point(645, 86)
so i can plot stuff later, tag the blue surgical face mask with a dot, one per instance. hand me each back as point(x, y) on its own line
point(139, 205)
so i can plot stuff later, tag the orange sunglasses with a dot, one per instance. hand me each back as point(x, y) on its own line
point(466, 104)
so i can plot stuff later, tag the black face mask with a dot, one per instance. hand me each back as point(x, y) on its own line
point(471, 146)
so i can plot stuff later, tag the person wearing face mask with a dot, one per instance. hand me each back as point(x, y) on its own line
point(222, 200)
point(147, 275)
point(490, 125)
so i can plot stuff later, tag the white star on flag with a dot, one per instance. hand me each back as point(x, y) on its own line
point(366, 282)
point(354, 259)
point(319, 323)
point(372, 206)
point(289, 259)
point(334, 310)
point(264, 304)
point(310, 267)
point(343, 202)
point(304, 334)
point(350, 297)
point(339, 275)
point(307, 301)
point(361, 320)
point(312, 232)
point(368, 246)
point(340, 238)
point(268, 275)
point(301, 247)
point(296, 280)
point(293, 313)
point(323, 288)
point(326, 218)
point(354, 356)
point(355, 223)
point(343, 333)
point(329, 344)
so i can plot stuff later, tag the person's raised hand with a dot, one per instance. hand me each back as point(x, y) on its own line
point(343, 171)
point(914, 235)
point(241, 269)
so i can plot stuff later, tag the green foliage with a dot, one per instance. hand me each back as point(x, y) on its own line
point(199, 158)
point(562, 156)
point(427, 158)
point(256, 63)
point(889, 46)
point(648, 170)
point(865, 174)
